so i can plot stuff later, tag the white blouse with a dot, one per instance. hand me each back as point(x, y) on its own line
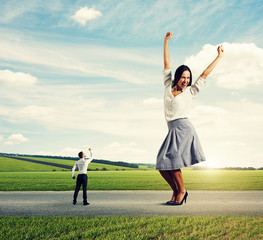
point(178, 106)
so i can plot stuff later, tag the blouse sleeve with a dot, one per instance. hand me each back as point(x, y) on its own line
point(195, 88)
point(73, 169)
point(167, 77)
point(89, 159)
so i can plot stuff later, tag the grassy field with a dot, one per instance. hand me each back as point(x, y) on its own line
point(132, 180)
point(131, 228)
point(25, 176)
point(92, 165)
point(17, 175)
point(53, 160)
point(14, 165)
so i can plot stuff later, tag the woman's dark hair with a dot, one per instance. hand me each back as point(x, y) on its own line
point(178, 73)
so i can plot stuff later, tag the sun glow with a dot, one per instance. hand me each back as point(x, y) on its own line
point(213, 162)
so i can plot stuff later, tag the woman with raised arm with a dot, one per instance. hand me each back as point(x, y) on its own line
point(181, 147)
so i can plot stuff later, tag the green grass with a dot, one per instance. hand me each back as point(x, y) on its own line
point(14, 165)
point(92, 165)
point(36, 181)
point(132, 180)
point(131, 228)
point(223, 179)
point(53, 160)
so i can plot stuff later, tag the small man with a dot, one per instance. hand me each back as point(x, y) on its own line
point(82, 179)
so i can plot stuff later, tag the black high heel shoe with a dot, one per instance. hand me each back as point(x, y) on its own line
point(183, 200)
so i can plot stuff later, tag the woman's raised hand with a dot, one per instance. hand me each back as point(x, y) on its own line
point(168, 36)
point(220, 51)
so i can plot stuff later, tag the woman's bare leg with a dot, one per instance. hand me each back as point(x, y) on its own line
point(178, 178)
point(168, 176)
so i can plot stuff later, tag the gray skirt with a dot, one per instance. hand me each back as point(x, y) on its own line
point(181, 147)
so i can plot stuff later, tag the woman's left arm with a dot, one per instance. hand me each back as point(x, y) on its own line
point(208, 70)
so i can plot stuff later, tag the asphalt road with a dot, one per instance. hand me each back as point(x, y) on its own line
point(131, 203)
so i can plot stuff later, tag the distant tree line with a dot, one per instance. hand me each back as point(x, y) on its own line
point(227, 168)
point(240, 168)
point(149, 165)
point(121, 164)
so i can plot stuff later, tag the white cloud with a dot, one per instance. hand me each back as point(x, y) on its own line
point(32, 113)
point(205, 115)
point(123, 64)
point(69, 152)
point(64, 152)
point(10, 78)
point(85, 14)
point(1, 138)
point(42, 114)
point(241, 67)
point(16, 139)
point(153, 101)
point(230, 132)
point(62, 107)
point(233, 143)
point(117, 151)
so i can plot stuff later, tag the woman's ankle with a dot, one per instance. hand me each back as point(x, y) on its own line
point(183, 191)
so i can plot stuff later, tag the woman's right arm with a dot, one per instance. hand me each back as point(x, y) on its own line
point(166, 56)
point(208, 70)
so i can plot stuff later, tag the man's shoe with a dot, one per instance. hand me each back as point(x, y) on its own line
point(74, 202)
point(85, 203)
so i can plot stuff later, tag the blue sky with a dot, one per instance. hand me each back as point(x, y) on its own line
point(79, 74)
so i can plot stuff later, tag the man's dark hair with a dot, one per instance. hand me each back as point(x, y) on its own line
point(80, 154)
point(178, 74)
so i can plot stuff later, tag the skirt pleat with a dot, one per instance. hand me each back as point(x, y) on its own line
point(181, 147)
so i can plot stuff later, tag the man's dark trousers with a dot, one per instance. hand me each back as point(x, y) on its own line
point(82, 179)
